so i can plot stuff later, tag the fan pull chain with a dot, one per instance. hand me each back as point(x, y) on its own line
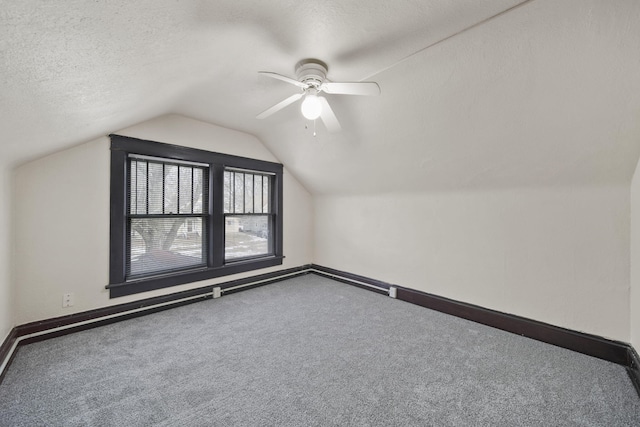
point(306, 126)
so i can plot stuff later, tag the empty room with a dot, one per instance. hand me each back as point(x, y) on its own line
point(323, 213)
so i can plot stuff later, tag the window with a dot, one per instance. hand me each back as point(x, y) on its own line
point(167, 205)
point(248, 215)
point(181, 215)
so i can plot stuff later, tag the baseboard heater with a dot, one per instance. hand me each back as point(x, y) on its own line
point(592, 345)
point(51, 328)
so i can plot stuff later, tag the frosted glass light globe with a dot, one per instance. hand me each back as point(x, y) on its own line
point(311, 107)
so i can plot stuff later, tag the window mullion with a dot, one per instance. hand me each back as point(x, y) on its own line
point(146, 252)
point(178, 192)
point(164, 175)
point(216, 216)
point(136, 186)
point(146, 200)
point(192, 189)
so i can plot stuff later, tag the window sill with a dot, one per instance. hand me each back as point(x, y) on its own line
point(179, 278)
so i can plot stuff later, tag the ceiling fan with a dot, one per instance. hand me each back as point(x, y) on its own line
point(312, 80)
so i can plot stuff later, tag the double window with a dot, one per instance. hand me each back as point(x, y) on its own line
point(180, 215)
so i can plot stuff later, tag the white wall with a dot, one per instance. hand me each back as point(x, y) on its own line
point(634, 302)
point(61, 218)
point(558, 255)
point(6, 297)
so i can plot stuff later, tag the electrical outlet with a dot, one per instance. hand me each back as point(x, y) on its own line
point(217, 292)
point(67, 299)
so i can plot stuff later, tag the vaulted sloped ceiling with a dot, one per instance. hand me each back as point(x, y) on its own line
point(546, 92)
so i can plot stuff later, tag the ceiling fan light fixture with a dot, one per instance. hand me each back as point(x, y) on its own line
point(311, 107)
point(311, 78)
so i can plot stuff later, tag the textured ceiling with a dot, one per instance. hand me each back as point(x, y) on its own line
point(547, 93)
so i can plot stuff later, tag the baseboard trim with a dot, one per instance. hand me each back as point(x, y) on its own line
point(592, 345)
point(588, 344)
point(7, 351)
point(634, 368)
point(263, 279)
point(58, 326)
point(351, 279)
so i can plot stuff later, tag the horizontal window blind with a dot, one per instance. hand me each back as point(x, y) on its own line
point(167, 202)
point(182, 215)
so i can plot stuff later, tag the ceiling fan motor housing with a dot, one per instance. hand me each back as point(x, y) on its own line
point(312, 72)
point(311, 77)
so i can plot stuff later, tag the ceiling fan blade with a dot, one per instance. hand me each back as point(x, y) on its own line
point(328, 117)
point(355, 88)
point(279, 106)
point(283, 78)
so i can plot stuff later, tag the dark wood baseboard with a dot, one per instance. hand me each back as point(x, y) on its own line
point(634, 368)
point(351, 279)
point(263, 279)
point(168, 301)
point(63, 325)
point(5, 350)
point(592, 345)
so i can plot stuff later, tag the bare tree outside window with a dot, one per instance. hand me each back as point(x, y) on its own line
point(166, 203)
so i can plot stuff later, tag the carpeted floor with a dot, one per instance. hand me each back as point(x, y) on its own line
point(309, 351)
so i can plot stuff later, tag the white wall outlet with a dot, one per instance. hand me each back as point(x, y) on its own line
point(67, 299)
point(217, 292)
point(393, 292)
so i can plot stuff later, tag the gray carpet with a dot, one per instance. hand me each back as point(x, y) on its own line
point(309, 352)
